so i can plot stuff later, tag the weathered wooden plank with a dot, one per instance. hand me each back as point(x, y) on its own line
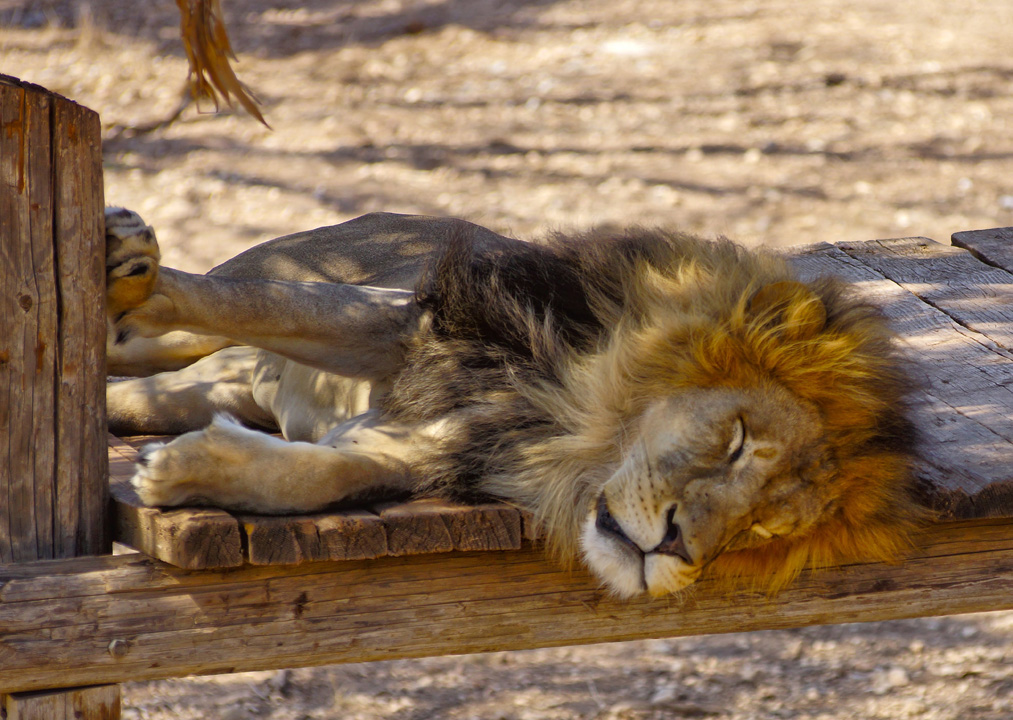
point(413, 528)
point(977, 296)
point(488, 526)
point(965, 408)
point(40, 216)
point(23, 318)
point(193, 538)
point(993, 246)
point(342, 535)
point(91, 703)
point(9, 214)
point(95, 620)
point(82, 493)
point(978, 385)
point(53, 489)
point(52, 329)
point(433, 526)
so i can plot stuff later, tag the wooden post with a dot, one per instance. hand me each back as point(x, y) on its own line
point(52, 328)
point(53, 487)
point(101, 702)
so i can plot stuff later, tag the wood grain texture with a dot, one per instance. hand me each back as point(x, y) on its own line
point(993, 246)
point(91, 703)
point(426, 526)
point(28, 317)
point(345, 535)
point(59, 619)
point(975, 295)
point(53, 495)
point(82, 494)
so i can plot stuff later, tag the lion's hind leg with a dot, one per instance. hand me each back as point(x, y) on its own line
point(171, 403)
point(132, 257)
point(227, 465)
point(132, 270)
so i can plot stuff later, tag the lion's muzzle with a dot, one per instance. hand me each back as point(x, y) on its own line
point(629, 568)
point(672, 544)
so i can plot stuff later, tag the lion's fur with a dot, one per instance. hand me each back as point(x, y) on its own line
point(545, 355)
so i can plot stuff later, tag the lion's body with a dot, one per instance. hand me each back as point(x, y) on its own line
point(660, 403)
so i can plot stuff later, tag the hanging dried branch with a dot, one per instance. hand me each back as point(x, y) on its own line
point(208, 50)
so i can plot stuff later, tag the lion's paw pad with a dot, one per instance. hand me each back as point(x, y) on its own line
point(132, 257)
point(122, 223)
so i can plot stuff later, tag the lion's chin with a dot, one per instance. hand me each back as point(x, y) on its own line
point(666, 575)
point(627, 573)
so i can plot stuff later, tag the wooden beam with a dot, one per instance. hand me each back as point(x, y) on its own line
point(53, 489)
point(108, 619)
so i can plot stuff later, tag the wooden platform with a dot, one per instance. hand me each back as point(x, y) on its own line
point(217, 593)
point(953, 310)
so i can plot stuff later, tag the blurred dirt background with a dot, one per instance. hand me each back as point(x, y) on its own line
point(775, 122)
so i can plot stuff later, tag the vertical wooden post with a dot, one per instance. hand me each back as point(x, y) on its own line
point(101, 702)
point(53, 460)
point(53, 493)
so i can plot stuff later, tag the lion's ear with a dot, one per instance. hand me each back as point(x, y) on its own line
point(790, 305)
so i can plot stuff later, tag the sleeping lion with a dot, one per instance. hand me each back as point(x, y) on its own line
point(664, 406)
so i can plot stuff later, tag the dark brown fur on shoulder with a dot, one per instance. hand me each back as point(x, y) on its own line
point(507, 317)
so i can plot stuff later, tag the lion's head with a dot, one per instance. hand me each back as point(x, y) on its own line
point(708, 471)
point(737, 421)
point(672, 407)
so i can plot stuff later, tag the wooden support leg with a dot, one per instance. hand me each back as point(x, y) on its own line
point(52, 354)
point(52, 328)
point(98, 702)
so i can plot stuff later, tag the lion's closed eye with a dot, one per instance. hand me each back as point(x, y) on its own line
point(738, 442)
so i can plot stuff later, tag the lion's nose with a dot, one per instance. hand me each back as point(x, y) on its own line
point(608, 525)
point(672, 544)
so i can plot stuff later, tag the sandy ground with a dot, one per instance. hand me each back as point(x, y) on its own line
point(774, 122)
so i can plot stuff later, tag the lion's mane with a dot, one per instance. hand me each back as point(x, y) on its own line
point(545, 353)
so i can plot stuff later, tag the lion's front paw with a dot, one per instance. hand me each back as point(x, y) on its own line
point(195, 468)
point(131, 261)
point(167, 473)
point(219, 465)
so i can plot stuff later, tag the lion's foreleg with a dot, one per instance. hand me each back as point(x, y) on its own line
point(188, 399)
point(229, 466)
